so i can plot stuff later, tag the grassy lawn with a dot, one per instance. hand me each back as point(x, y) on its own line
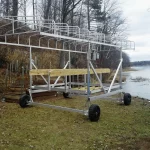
point(120, 127)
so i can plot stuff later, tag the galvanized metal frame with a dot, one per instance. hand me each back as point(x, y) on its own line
point(54, 31)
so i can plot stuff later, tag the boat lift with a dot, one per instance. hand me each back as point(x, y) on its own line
point(88, 42)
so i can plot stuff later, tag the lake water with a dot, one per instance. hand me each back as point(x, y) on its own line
point(138, 82)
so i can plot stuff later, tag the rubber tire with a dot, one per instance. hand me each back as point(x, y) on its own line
point(24, 100)
point(66, 95)
point(94, 113)
point(127, 99)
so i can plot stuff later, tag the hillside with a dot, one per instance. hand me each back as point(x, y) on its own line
point(140, 63)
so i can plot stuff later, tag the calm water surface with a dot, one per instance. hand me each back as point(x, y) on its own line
point(138, 82)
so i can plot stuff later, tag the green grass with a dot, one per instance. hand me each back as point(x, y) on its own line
point(39, 128)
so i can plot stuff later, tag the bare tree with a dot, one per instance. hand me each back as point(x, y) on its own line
point(106, 14)
point(80, 15)
point(6, 7)
point(15, 8)
point(67, 7)
point(110, 21)
point(47, 8)
point(88, 13)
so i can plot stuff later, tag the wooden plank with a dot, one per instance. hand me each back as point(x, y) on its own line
point(66, 72)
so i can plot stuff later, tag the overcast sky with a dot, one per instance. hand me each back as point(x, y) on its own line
point(138, 17)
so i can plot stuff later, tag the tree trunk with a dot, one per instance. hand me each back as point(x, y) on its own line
point(47, 9)
point(25, 11)
point(15, 9)
point(88, 13)
point(55, 11)
point(72, 14)
point(7, 7)
point(63, 20)
point(79, 23)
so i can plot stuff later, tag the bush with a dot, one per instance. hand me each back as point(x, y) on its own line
point(3, 57)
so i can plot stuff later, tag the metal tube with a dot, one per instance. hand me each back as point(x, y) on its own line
point(115, 75)
point(22, 87)
point(85, 79)
point(30, 67)
point(49, 82)
point(20, 33)
point(88, 72)
point(93, 98)
point(40, 75)
point(66, 84)
point(69, 68)
point(60, 76)
point(40, 40)
point(78, 80)
point(30, 93)
point(77, 39)
point(101, 76)
point(13, 26)
point(23, 45)
point(97, 77)
point(84, 112)
point(120, 80)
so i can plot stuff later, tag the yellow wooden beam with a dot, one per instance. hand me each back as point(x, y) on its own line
point(66, 72)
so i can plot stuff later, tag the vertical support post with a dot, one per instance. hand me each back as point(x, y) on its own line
point(49, 82)
point(67, 30)
point(79, 32)
point(84, 79)
point(25, 14)
point(101, 77)
point(22, 87)
point(30, 68)
point(54, 27)
point(120, 80)
point(117, 71)
point(69, 68)
point(30, 90)
point(66, 84)
point(100, 82)
point(88, 73)
point(78, 80)
point(73, 81)
point(120, 75)
point(13, 26)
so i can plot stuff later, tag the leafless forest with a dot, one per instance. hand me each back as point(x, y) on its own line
point(104, 16)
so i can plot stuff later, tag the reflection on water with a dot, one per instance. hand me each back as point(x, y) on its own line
point(138, 82)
